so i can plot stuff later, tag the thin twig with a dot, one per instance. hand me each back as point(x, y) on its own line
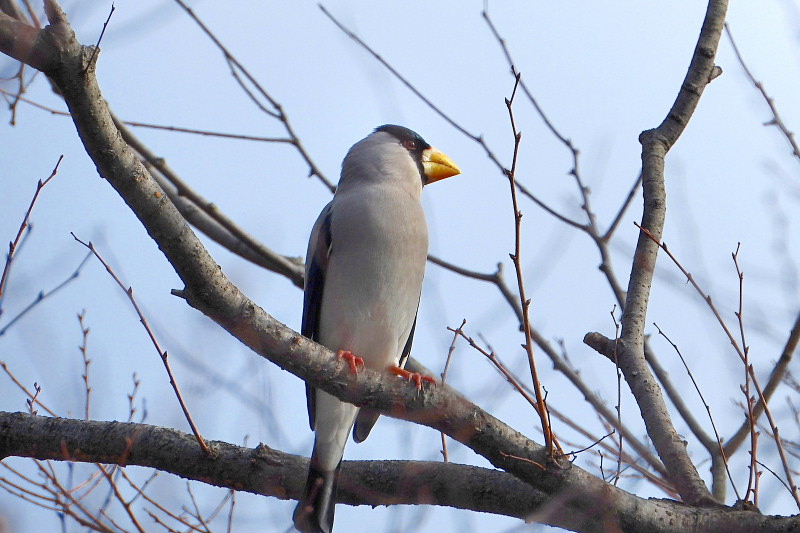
point(591, 227)
point(12, 246)
point(44, 295)
point(751, 372)
point(775, 474)
point(706, 405)
point(229, 529)
point(619, 391)
point(541, 408)
point(162, 353)
point(70, 501)
point(444, 378)
point(497, 279)
point(29, 394)
point(205, 133)
point(492, 357)
point(197, 515)
point(776, 118)
point(132, 397)
point(653, 477)
point(220, 506)
point(157, 505)
point(748, 397)
point(90, 64)
point(778, 443)
point(775, 378)
point(621, 212)
point(86, 361)
point(696, 286)
point(278, 113)
point(118, 495)
point(176, 129)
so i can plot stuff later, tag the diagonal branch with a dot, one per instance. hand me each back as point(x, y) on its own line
point(655, 145)
point(775, 379)
point(205, 216)
point(238, 71)
point(776, 117)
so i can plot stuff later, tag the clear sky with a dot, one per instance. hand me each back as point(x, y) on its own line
point(602, 72)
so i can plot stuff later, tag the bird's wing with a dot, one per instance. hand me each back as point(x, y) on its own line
point(367, 417)
point(319, 249)
point(407, 347)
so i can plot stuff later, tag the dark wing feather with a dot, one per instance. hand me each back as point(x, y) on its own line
point(366, 418)
point(319, 249)
point(407, 347)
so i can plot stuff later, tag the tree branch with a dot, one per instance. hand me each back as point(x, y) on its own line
point(263, 470)
point(655, 145)
point(775, 379)
point(205, 216)
point(270, 472)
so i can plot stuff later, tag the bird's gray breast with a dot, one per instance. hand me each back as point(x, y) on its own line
point(379, 243)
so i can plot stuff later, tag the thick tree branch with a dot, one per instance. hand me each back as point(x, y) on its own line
point(263, 470)
point(655, 145)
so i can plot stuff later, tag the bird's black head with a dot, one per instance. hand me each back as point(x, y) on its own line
point(410, 140)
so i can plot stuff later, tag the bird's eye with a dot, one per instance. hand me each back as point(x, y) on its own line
point(410, 145)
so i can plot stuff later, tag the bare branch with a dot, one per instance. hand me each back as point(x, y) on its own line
point(719, 491)
point(497, 279)
point(207, 289)
point(205, 216)
point(277, 110)
point(655, 145)
point(776, 118)
point(775, 378)
point(100, 39)
point(271, 472)
point(147, 125)
point(161, 352)
point(551, 443)
point(12, 246)
point(86, 361)
point(450, 351)
point(749, 369)
point(45, 294)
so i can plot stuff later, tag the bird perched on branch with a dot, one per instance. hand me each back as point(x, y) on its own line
point(364, 268)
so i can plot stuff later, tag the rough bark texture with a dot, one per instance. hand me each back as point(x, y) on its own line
point(656, 143)
point(270, 472)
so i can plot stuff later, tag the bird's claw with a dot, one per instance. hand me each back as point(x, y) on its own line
point(354, 360)
point(416, 377)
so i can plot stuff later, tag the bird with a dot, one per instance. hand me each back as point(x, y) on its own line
point(364, 268)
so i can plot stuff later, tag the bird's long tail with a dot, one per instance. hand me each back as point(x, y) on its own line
point(314, 512)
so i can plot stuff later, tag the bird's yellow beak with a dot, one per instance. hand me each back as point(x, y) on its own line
point(437, 166)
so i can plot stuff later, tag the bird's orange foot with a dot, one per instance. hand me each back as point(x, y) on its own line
point(354, 360)
point(416, 377)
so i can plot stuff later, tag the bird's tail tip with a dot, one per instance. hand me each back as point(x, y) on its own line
point(314, 511)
